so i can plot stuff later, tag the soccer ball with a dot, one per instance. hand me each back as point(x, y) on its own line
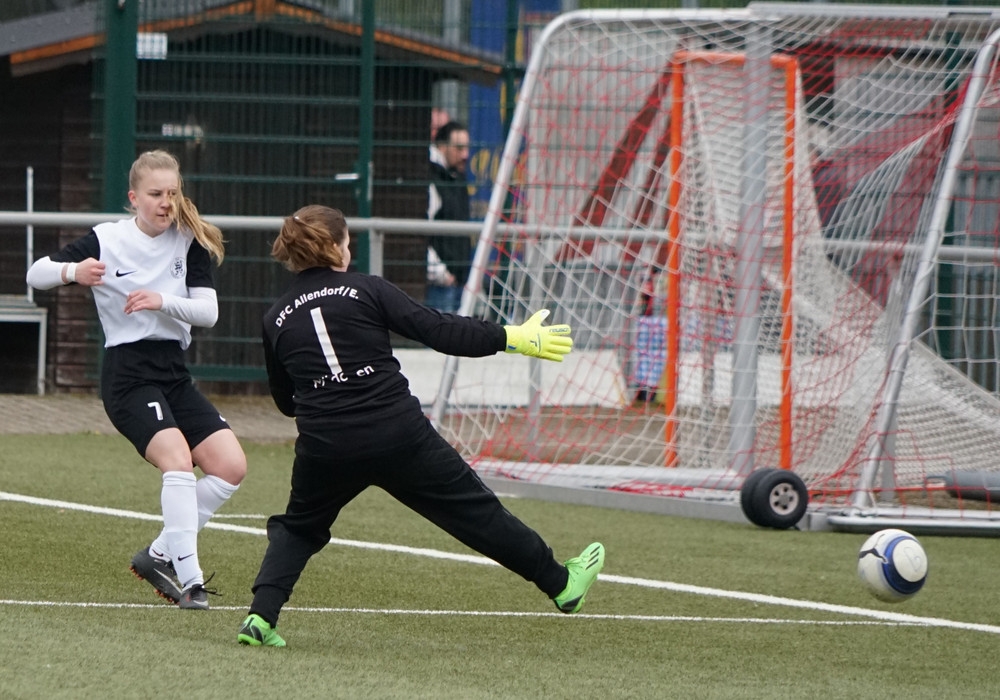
point(893, 565)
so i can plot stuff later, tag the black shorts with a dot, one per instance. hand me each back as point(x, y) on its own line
point(146, 388)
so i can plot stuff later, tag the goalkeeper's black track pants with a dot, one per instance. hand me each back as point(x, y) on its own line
point(433, 480)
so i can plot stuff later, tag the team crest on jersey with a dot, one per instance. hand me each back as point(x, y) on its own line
point(177, 269)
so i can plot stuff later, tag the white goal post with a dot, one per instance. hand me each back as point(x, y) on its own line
point(774, 232)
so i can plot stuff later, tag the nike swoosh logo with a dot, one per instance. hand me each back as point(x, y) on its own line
point(119, 273)
point(167, 580)
point(186, 556)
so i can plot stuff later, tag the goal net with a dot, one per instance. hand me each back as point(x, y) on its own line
point(774, 232)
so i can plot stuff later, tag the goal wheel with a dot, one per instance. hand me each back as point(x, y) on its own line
point(779, 499)
point(747, 503)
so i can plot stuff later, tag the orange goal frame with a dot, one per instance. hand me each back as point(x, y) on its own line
point(789, 66)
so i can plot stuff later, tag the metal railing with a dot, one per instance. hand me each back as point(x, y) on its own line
point(247, 283)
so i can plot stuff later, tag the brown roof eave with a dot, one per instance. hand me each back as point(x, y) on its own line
point(462, 61)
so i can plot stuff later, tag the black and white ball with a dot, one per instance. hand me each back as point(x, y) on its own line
point(893, 565)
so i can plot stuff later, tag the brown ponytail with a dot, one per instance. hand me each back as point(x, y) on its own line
point(311, 237)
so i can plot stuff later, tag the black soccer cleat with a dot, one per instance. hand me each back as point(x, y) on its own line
point(159, 574)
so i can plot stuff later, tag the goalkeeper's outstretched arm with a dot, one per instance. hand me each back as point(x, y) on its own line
point(465, 336)
point(535, 340)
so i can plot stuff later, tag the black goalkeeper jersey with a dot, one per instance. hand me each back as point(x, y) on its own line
point(330, 364)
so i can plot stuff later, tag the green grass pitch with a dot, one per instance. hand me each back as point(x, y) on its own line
point(394, 608)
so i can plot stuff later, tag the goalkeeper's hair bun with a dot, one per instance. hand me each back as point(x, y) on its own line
point(311, 237)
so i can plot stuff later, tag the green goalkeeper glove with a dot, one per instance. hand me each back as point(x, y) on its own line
point(534, 340)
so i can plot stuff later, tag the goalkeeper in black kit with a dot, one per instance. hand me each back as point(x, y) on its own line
point(330, 365)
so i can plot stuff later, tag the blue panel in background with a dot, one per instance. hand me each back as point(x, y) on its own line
point(486, 104)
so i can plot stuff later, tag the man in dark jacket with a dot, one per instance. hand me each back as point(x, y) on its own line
point(448, 257)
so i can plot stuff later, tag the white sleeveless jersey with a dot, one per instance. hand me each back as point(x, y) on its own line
point(170, 263)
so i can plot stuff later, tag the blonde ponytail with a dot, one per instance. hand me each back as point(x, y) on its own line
point(208, 235)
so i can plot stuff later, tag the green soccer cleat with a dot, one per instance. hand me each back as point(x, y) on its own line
point(258, 633)
point(583, 572)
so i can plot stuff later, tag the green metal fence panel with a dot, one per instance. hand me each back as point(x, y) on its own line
point(271, 105)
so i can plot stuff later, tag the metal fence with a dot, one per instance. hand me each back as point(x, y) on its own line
point(268, 107)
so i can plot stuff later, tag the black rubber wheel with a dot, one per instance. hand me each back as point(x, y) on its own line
point(779, 499)
point(746, 494)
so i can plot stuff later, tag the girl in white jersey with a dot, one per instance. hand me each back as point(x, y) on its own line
point(151, 277)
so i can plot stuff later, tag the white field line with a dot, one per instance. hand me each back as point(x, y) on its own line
point(474, 613)
point(876, 615)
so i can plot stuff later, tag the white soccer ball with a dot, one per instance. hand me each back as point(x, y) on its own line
point(893, 565)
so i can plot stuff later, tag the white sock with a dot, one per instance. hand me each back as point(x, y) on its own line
point(212, 493)
point(179, 500)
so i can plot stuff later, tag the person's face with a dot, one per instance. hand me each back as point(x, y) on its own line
point(153, 200)
point(456, 151)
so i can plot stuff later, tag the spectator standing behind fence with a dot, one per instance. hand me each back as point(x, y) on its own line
point(151, 279)
point(449, 258)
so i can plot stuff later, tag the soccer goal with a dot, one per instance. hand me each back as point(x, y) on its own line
point(774, 231)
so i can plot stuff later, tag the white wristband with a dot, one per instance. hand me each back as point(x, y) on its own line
point(70, 273)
